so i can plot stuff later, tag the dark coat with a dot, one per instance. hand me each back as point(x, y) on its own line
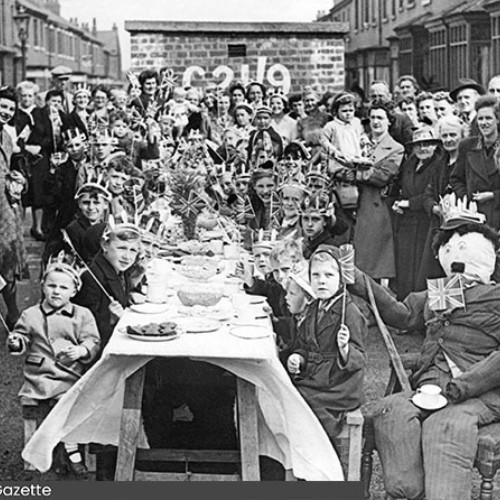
point(309, 246)
point(373, 237)
point(476, 171)
point(439, 185)
point(470, 337)
point(412, 227)
point(73, 120)
point(42, 135)
point(326, 383)
point(91, 295)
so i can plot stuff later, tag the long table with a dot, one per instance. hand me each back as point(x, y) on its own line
point(92, 411)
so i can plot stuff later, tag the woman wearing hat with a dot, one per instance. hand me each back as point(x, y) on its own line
point(477, 173)
point(412, 222)
point(280, 120)
point(373, 238)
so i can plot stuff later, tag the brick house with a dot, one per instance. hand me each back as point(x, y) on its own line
point(287, 55)
point(438, 41)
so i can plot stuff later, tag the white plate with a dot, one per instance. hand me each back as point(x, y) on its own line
point(197, 325)
point(440, 402)
point(149, 308)
point(250, 332)
point(153, 338)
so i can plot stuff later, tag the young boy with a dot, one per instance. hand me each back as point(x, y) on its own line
point(113, 267)
point(329, 361)
point(61, 340)
point(86, 230)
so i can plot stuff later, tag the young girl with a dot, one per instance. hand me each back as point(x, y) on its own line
point(329, 361)
point(61, 340)
point(341, 138)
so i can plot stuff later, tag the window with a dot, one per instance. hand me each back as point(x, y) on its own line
point(366, 12)
point(495, 43)
point(385, 14)
point(438, 57)
point(406, 54)
point(236, 50)
point(458, 52)
point(356, 15)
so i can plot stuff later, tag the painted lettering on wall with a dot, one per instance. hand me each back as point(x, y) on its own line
point(276, 75)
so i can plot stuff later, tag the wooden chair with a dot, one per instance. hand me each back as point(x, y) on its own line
point(33, 413)
point(488, 453)
point(353, 433)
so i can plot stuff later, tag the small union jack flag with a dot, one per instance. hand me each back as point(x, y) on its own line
point(446, 293)
point(347, 263)
point(192, 205)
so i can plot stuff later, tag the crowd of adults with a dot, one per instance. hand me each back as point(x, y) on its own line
point(316, 168)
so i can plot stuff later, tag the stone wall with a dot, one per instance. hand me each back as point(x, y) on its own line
point(287, 55)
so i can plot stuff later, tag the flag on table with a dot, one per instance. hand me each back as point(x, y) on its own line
point(446, 293)
point(347, 263)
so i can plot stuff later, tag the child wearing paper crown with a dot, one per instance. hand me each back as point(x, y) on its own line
point(60, 341)
point(328, 362)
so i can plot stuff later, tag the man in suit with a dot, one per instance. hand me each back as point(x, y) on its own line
point(61, 80)
point(465, 94)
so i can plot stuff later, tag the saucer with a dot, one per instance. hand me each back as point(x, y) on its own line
point(149, 308)
point(440, 402)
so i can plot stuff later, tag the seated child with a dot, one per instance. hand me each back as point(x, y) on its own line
point(328, 360)
point(93, 200)
point(298, 295)
point(317, 218)
point(112, 266)
point(61, 340)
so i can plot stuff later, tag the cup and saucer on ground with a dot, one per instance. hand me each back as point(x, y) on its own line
point(429, 397)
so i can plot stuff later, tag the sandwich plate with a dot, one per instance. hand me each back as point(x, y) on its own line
point(153, 338)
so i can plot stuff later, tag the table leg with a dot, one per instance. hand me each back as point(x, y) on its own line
point(130, 426)
point(248, 431)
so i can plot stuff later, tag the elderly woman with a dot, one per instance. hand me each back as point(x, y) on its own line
point(412, 222)
point(451, 131)
point(476, 173)
point(373, 238)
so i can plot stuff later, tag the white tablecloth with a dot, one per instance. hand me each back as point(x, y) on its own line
point(91, 410)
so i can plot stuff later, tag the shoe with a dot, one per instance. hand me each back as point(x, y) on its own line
point(76, 466)
point(38, 236)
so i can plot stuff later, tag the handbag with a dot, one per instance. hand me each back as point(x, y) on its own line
point(347, 194)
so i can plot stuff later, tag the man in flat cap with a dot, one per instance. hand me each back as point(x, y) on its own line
point(61, 80)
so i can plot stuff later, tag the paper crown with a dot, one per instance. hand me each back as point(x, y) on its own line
point(71, 134)
point(319, 204)
point(102, 135)
point(293, 184)
point(120, 223)
point(317, 172)
point(456, 212)
point(195, 135)
point(263, 109)
point(81, 88)
point(95, 184)
point(242, 171)
point(67, 264)
point(265, 239)
point(297, 147)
